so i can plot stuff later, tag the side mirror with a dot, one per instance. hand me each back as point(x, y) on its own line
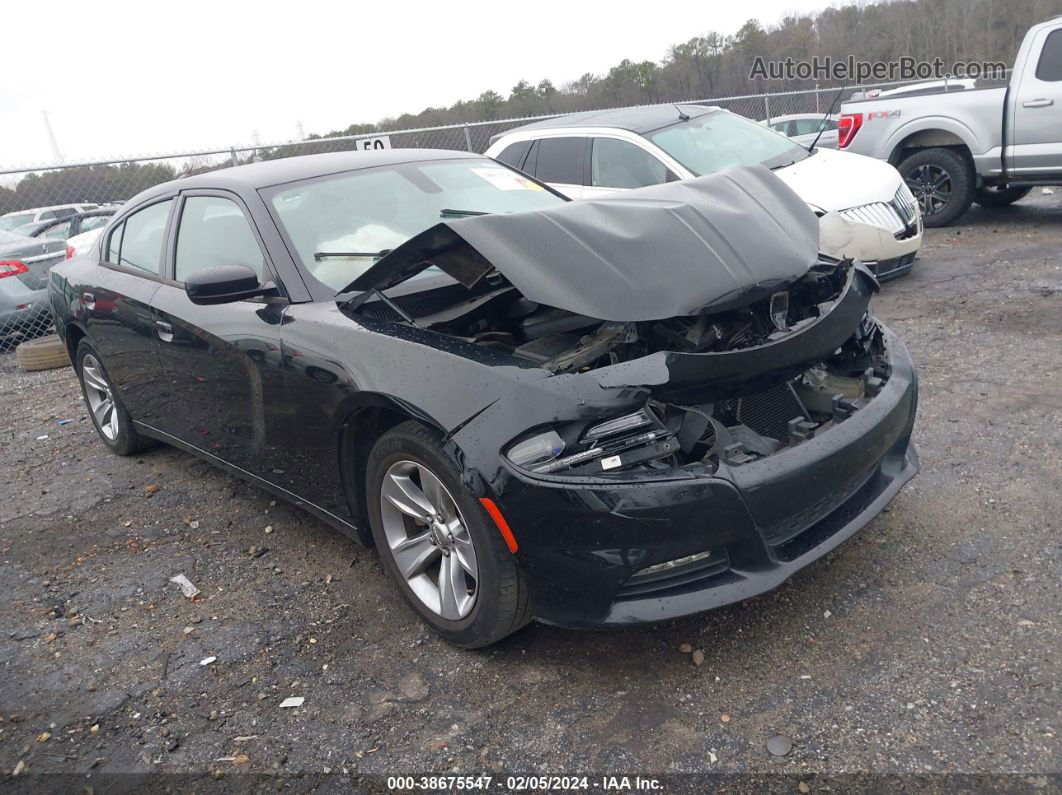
point(225, 284)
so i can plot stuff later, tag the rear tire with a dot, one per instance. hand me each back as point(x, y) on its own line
point(1000, 197)
point(942, 182)
point(493, 602)
point(108, 414)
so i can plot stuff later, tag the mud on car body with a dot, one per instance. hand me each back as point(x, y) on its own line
point(596, 413)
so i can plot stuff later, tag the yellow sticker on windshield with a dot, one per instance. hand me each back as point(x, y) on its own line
point(503, 179)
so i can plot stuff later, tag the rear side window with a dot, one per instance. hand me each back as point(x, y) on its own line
point(514, 154)
point(1050, 67)
point(560, 160)
point(214, 232)
point(142, 236)
point(621, 164)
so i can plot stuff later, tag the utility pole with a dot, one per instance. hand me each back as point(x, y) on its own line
point(56, 153)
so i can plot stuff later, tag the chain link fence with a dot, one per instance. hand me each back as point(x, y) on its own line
point(49, 212)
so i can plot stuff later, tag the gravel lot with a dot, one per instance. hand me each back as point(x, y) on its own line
point(929, 643)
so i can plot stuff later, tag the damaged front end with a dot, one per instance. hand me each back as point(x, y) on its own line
point(732, 388)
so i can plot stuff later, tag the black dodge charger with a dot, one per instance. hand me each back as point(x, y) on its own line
point(590, 413)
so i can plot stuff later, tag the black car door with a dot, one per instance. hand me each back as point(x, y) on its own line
point(221, 362)
point(116, 307)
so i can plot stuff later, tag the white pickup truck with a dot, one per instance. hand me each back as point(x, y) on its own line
point(990, 144)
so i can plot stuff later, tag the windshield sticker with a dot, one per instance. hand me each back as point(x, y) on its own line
point(503, 179)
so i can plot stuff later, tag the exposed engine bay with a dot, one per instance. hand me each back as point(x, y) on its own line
point(789, 401)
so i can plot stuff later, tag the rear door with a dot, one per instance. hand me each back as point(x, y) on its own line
point(1037, 109)
point(617, 164)
point(561, 162)
point(222, 362)
point(116, 306)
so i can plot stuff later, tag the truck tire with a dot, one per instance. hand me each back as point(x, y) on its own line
point(46, 353)
point(942, 181)
point(1000, 197)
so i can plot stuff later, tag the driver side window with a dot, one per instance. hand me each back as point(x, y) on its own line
point(214, 231)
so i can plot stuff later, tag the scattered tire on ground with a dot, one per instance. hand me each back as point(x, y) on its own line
point(45, 353)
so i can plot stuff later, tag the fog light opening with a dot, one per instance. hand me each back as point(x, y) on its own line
point(671, 564)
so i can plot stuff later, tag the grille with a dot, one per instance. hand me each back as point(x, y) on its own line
point(898, 216)
point(879, 214)
point(768, 413)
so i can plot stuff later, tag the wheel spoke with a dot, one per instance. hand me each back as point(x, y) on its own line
point(464, 549)
point(436, 495)
point(94, 379)
point(414, 554)
point(453, 593)
point(404, 494)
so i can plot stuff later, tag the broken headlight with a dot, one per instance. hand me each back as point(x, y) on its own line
point(612, 445)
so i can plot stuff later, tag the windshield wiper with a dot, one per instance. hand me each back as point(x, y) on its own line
point(460, 213)
point(319, 255)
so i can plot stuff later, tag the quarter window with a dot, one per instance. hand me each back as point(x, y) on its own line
point(514, 154)
point(560, 160)
point(142, 236)
point(621, 164)
point(214, 232)
point(1049, 69)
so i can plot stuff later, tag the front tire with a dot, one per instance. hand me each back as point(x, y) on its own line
point(108, 414)
point(943, 183)
point(1000, 196)
point(438, 544)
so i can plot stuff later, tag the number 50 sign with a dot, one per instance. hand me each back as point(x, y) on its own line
point(380, 142)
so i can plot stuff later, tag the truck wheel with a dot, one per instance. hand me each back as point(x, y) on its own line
point(1000, 196)
point(943, 183)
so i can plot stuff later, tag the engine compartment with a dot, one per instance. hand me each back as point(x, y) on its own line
point(783, 406)
point(496, 316)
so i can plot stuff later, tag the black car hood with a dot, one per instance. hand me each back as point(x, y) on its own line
point(680, 248)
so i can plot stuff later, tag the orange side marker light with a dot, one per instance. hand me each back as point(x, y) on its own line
point(499, 520)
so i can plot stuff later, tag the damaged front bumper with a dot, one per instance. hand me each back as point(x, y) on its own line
point(657, 547)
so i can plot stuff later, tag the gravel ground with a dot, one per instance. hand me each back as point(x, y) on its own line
point(929, 643)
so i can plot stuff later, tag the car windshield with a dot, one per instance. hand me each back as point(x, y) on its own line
point(9, 222)
point(720, 140)
point(341, 224)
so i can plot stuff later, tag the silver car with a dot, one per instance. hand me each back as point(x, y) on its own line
point(24, 266)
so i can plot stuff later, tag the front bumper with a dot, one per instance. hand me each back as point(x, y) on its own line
point(763, 521)
point(885, 255)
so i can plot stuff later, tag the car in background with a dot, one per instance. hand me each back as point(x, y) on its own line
point(24, 266)
point(68, 226)
point(866, 211)
point(804, 128)
point(916, 89)
point(990, 144)
point(9, 222)
point(80, 244)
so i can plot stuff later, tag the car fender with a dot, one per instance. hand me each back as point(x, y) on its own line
point(930, 124)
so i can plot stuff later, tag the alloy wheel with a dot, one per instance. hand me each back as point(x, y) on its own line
point(429, 540)
point(100, 397)
point(931, 185)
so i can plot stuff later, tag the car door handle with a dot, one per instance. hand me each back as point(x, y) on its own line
point(89, 300)
point(1043, 102)
point(164, 330)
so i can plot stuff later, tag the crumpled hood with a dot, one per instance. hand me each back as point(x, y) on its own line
point(681, 248)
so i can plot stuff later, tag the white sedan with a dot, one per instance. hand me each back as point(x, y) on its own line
point(866, 210)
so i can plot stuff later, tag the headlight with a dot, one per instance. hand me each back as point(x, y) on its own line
point(608, 446)
point(536, 450)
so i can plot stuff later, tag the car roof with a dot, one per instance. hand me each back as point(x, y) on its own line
point(267, 173)
point(640, 120)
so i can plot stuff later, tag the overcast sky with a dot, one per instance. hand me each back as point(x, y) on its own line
point(122, 79)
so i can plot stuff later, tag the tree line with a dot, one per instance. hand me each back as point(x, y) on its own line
point(703, 67)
